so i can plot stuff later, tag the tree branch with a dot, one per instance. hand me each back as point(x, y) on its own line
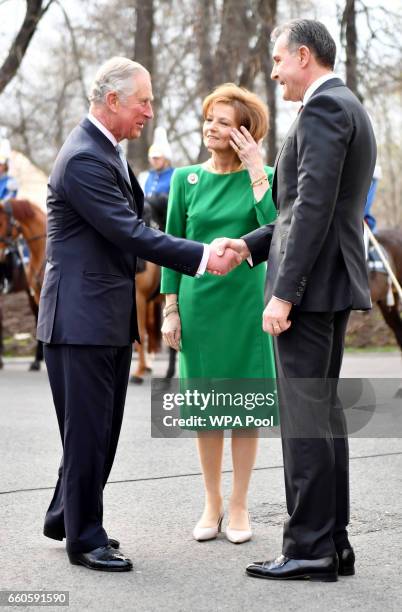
point(33, 15)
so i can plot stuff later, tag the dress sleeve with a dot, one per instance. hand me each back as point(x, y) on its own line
point(175, 225)
point(265, 208)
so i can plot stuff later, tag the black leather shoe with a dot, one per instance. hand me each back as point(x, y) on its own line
point(346, 557)
point(283, 568)
point(56, 535)
point(104, 558)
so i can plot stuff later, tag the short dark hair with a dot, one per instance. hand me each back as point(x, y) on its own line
point(311, 33)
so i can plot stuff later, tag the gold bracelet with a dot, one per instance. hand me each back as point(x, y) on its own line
point(259, 181)
point(165, 316)
point(170, 308)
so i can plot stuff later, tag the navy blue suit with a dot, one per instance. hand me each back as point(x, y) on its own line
point(87, 318)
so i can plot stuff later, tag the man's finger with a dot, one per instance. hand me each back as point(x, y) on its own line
point(222, 245)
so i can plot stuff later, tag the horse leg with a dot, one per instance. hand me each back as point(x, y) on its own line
point(393, 320)
point(1, 339)
point(138, 376)
point(35, 364)
point(172, 363)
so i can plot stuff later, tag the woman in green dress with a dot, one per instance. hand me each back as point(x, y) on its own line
point(215, 321)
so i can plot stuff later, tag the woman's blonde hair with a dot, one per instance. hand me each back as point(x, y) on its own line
point(249, 109)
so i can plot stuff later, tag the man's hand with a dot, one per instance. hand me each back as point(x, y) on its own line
point(236, 244)
point(275, 316)
point(222, 260)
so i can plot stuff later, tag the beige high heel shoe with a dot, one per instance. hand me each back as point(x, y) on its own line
point(202, 534)
point(238, 536)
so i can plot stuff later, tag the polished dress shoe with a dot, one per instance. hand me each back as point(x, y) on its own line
point(104, 558)
point(346, 558)
point(56, 535)
point(202, 534)
point(283, 568)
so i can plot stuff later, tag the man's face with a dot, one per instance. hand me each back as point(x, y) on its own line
point(287, 70)
point(135, 110)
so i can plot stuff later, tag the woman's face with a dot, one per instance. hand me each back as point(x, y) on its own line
point(218, 123)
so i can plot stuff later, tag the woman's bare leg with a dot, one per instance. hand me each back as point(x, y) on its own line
point(210, 451)
point(244, 452)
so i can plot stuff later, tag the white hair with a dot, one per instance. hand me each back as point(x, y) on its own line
point(115, 75)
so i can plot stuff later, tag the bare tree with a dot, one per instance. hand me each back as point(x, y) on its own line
point(242, 30)
point(349, 37)
point(34, 13)
point(137, 151)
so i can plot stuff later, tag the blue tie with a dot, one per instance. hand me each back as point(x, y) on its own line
point(123, 160)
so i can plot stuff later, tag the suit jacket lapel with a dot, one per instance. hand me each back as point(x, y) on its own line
point(334, 82)
point(278, 155)
point(113, 156)
point(137, 192)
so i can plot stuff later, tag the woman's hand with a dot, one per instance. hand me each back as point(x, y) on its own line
point(248, 151)
point(171, 330)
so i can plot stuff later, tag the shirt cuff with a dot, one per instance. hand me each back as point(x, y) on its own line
point(250, 261)
point(204, 261)
point(281, 300)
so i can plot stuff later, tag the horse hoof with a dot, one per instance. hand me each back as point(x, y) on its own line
point(136, 380)
point(147, 369)
point(35, 366)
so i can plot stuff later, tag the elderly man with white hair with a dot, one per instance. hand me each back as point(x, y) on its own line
point(87, 312)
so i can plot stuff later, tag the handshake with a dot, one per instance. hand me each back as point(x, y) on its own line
point(225, 254)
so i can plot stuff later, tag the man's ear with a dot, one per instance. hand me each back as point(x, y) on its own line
point(112, 101)
point(304, 55)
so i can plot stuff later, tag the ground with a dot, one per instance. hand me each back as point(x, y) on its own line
point(365, 329)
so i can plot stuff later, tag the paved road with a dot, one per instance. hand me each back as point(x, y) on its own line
point(154, 498)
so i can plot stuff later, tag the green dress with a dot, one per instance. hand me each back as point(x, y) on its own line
point(221, 316)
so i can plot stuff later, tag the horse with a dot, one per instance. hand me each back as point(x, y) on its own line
point(22, 219)
point(382, 292)
point(149, 300)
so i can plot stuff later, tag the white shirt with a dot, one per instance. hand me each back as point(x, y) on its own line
point(316, 84)
point(103, 129)
point(204, 261)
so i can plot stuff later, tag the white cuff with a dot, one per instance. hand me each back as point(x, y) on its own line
point(250, 261)
point(281, 300)
point(204, 261)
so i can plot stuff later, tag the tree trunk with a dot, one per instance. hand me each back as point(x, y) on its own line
point(350, 32)
point(268, 13)
point(227, 60)
point(137, 150)
point(35, 11)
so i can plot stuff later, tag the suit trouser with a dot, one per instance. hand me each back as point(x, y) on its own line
point(314, 436)
point(89, 385)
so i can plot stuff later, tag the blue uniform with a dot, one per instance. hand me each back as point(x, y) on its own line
point(158, 182)
point(8, 187)
point(368, 217)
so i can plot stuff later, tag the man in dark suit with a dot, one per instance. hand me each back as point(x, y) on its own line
point(316, 275)
point(87, 312)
